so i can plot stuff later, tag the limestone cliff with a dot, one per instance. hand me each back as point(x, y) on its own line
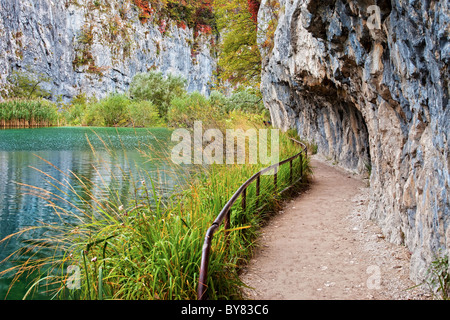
point(372, 95)
point(96, 47)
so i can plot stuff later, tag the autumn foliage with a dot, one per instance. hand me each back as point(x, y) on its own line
point(236, 20)
point(145, 10)
point(253, 8)
point(197, 15)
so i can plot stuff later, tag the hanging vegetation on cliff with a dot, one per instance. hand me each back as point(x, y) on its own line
point(239, 59)
point(197, 15)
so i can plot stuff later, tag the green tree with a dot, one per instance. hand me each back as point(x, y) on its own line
point(111, 111)
point(143, 114)
point(27, 84)
point(184, 111)
point(239, 57)
point(115, 109)
point(158, 89)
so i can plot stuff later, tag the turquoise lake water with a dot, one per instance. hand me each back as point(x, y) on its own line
point(27, 155)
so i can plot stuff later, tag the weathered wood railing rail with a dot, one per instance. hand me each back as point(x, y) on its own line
point(224, 215)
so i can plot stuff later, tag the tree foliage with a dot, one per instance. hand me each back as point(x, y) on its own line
point(27, 84)
point(239, 58)
point(157, 88)
point(253, 8)
point(114, 110)
point(197, 15)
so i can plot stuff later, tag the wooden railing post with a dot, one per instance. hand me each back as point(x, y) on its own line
point(301, 166)
point(258, 186)
point(290, 172)
point(226, 226)
point(203, 277)
point(244, 200)
point(275, 178)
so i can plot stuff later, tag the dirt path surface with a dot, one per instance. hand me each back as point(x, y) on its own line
point(320, 246)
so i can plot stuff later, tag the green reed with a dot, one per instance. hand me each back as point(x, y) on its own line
point(25, 113)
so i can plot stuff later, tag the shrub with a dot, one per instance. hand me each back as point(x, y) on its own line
point(218, 110)
point(111, 111)
point(247, 101)
point(74, 114)
point(160, 90)
point(114, 109)
point(220, 101)
point(243, 100)
point(92, 115)
point(143, 114)
point(194, 107)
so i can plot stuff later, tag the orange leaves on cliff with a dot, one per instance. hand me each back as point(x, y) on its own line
point(145, 9)
point(186, 13)
point(253, 8)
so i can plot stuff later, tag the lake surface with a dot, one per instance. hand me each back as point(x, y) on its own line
point(111, 158)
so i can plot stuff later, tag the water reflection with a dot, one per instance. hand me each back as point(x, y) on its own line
point(109, 172)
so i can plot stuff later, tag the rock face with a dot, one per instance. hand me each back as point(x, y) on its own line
point(96, 47)
point(369, 85)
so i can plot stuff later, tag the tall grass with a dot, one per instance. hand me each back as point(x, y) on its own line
point(150, 246)
point(28, 113)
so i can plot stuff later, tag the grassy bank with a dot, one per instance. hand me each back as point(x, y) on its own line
point(150, 248)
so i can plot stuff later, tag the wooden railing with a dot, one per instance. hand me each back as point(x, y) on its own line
point(224, 215)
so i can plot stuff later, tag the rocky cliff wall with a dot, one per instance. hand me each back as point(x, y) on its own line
point(96, 47)
point(372, 96)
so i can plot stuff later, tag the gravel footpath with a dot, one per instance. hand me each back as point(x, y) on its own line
point(321, 247)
